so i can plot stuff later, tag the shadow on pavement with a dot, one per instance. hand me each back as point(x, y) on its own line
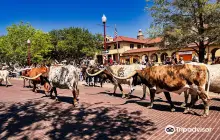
point(119, 95)
point(41, 119)
point(4, 85)
point(160, 107)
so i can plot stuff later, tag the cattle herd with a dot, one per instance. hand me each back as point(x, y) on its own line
point(194, 79)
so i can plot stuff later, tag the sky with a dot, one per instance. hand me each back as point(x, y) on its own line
point(128, 15)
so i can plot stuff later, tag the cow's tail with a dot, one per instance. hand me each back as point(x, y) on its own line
point(208, 85)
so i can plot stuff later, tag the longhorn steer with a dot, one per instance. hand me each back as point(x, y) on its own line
point(177, 78)
point(35, 76)
point(4, 74)
point(107, 73)
point(64, 77)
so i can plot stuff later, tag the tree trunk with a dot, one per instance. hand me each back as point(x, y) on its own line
point(201, 51)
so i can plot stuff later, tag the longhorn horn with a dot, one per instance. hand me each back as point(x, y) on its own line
point(21, 69)
point(32, 78)
point(97, 73)
point(123, 78)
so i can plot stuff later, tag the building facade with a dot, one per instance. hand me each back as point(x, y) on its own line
point(132, 50)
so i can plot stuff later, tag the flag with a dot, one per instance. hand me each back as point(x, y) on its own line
point(116, 32)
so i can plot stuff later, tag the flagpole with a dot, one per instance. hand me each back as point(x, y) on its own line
point(117, 47)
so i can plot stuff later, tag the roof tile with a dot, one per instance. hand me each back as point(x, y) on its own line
point(128, 39)
point(153, 40)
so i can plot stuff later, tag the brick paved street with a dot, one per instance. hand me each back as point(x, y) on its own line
point(28, 115)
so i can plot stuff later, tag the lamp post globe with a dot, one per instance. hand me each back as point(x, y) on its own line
point(104, 19)
point(28, 41)
point(29, 52)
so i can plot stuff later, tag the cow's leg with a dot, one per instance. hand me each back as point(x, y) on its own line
point(205, 98)
point(55, 92)
point(29, 82)
point(115, 87)
point(144, 92)
point(131, 87)
point(24, 83)
point(51, 92)
point(167, 95)
point(75, 99)
point(186, 97)
point(192, 102)
point(121, 89)
point(152, 96)
point(131, 91)
point(46, 88)
point(34, 86)
point(6, 81)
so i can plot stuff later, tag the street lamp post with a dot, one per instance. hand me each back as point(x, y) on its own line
point(29, 52)
point(104, 19)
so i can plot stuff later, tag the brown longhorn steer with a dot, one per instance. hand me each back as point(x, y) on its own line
point(176, 79)
point(34, 75)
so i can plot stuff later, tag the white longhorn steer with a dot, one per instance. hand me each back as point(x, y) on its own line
point(64, 77)
point(4, 74)
point(121, 71)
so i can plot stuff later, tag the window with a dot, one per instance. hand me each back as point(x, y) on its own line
point(109, 47)
point(131, 46)
point(139, 46)
point(115, 46)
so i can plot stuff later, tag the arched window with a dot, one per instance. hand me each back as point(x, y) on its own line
point(154, 57)
point(163, 57)
point(213, 52)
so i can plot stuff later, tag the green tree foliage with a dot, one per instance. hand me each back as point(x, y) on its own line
point(69, 43)
point(74, 43)
point(14, 46)
point(185, 22)
point(40, 46)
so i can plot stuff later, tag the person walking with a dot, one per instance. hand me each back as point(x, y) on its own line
point(181, 61)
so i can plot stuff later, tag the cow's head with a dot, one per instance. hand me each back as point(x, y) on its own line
point(38, 72)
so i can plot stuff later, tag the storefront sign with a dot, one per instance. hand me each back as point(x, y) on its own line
point(188, 52)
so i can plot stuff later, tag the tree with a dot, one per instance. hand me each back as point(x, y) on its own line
point(184, 22)
point(40, 46)
point(13, 46)
point(74, 43)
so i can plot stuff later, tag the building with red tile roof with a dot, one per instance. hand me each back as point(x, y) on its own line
point(132, 50)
